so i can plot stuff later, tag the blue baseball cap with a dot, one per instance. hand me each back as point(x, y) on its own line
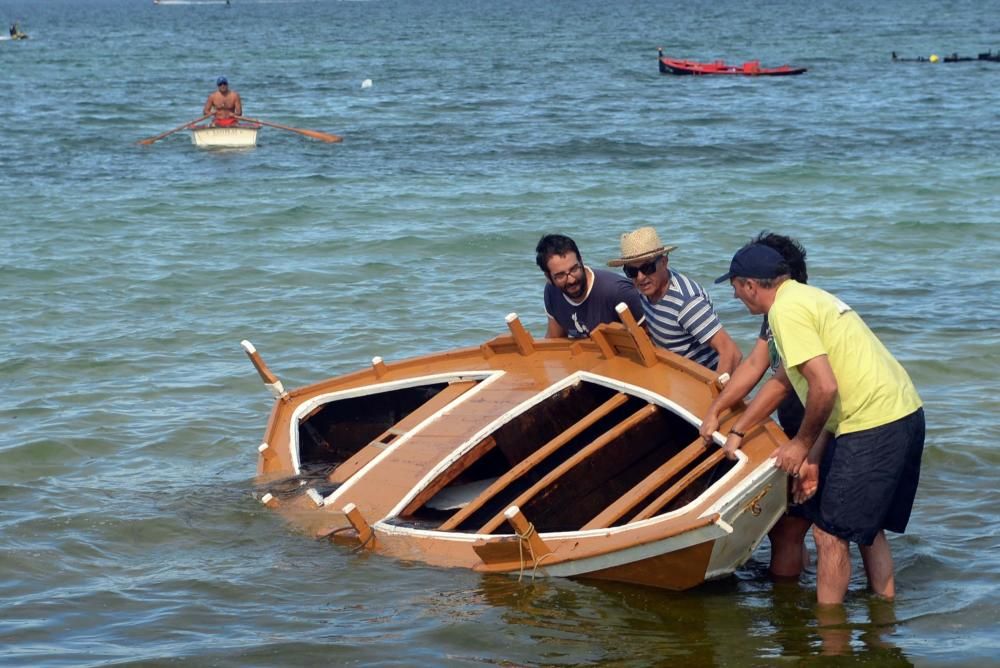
point(221, 80)
point(755, 261)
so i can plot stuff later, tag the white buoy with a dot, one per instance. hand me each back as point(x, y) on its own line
point(367, 83)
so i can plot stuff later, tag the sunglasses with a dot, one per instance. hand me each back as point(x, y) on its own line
point(647, 269)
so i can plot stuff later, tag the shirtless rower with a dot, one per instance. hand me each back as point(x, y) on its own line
point(224, 103)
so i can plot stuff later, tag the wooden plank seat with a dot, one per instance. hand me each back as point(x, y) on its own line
point(610, 436)
point(659, 502)
point(534, 459)
point(354, 464)
point(632, 498)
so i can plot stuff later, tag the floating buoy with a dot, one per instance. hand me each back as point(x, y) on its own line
point(933, 58)
point(367, 83)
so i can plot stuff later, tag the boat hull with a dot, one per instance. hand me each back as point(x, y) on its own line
point(559, 458)
point(237, 136)
point(719, 68)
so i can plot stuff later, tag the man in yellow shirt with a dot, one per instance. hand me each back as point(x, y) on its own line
point(852, 388)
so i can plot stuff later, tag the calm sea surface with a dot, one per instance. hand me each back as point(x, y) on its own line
point(129, 533)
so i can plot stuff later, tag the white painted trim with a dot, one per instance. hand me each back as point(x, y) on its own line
point(377, 388)
point(276, 388)
point(491, 427)
point(541, 396)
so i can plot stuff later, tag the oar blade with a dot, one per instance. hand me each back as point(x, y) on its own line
point(322, 136)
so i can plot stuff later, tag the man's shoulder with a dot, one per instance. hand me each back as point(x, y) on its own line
point(611, 282)
point(792, 292)
point(605, 277)
point(681, 285)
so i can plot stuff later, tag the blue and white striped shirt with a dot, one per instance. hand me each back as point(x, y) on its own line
point(684, 320)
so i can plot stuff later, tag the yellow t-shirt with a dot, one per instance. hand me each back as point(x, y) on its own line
point(873, 388)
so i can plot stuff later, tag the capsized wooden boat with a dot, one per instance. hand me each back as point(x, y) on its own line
point(243, 135)
point(556, 457)
point(751, 68)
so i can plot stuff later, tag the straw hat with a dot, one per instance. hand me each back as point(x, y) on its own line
point(643, 244)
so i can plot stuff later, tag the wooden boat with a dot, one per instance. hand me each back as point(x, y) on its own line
point(750, 68)
point(566, 458)
point(243, 135)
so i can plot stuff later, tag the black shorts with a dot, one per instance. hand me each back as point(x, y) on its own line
point(868, 480)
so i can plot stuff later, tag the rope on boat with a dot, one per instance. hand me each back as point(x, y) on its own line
point(522, 540)
point(358, 548)
point(333, 532)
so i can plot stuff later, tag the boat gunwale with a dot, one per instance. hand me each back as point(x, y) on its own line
point(543, 394)
point(485, 378)
point(714, 522)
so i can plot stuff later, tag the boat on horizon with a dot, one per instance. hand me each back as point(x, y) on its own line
point(751, 68)
point(987, 56)
point(554, 458)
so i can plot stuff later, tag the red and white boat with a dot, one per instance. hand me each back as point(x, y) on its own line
point(751, 68)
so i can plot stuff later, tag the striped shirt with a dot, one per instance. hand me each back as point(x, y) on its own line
point(684, 320)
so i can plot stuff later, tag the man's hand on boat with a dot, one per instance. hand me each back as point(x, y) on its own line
point(733, 443)
point(807, 482)
point(789, 457)
point(710, 425)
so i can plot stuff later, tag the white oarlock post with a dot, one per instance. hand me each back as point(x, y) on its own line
point(525, 532)
point(525, 344)
point(379, 366)
point(271, 381)
point(315, 496)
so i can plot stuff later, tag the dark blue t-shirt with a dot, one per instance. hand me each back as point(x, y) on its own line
point(606, 291)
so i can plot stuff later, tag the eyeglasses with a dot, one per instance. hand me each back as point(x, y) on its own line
point(647, 269)
point(575, 270)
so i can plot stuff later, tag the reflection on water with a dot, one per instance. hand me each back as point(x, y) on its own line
point(737, 621)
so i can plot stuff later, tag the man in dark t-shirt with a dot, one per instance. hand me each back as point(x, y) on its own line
point(578, 298)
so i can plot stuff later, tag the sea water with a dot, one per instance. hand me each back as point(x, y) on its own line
point(129, 530)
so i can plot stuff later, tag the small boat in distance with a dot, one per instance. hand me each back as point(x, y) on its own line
point(988, 56)
point(751, 68)
point(556, 457)
point(16, 33)
point(242, 135)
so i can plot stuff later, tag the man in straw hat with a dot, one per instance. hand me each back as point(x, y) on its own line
point(865, 480)
point(578, 298)
point(679, 313)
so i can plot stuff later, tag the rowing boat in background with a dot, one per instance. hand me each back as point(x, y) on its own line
point(234, 136)
point(751, 68)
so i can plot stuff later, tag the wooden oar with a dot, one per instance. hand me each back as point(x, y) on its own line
point(170, 132)
point(315, 134)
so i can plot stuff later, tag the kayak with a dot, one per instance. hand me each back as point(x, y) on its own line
point(751, 68)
